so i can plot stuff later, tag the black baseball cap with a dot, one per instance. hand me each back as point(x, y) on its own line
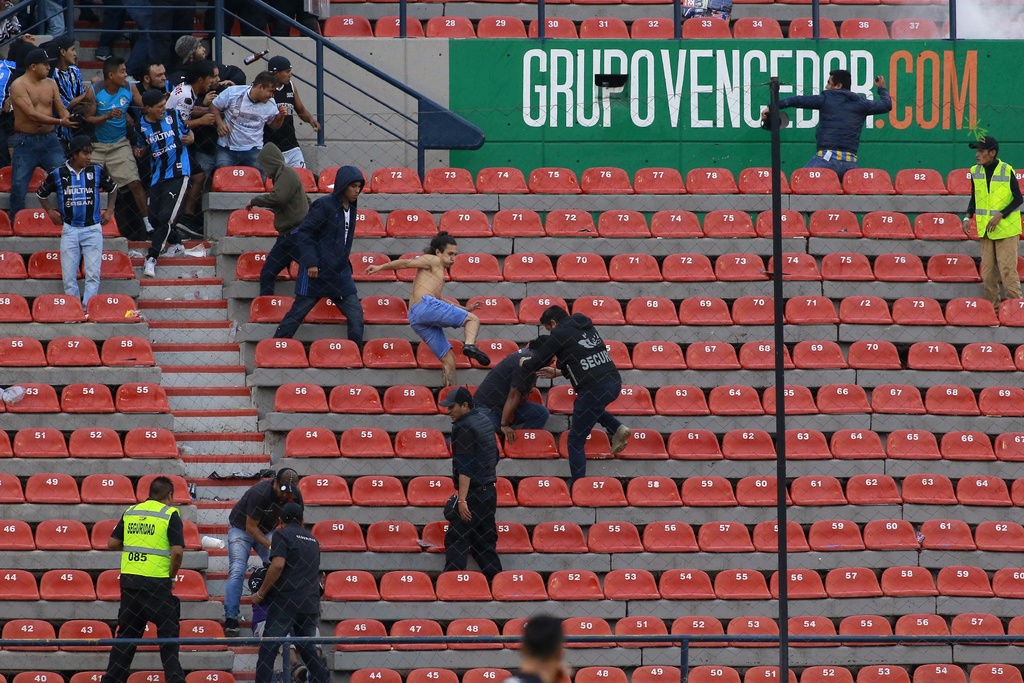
point(37, 56)
point(278, 63)
point(292, 512)
point(78, 143)
point(457, 396)
point(154, 96)
point(63, 42)
point(985, 142)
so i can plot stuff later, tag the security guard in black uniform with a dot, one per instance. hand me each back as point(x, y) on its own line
point(151, 539)
point(474, 461)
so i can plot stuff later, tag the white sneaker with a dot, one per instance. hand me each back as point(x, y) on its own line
point(174, 250)
point(620, 439)
point(149, 270)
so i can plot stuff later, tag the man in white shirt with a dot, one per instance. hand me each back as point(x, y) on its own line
point(241, 112)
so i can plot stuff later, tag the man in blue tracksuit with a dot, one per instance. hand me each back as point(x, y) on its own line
point(842, 119)
point(324, 240)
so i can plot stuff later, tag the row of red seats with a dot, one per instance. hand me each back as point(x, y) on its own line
point(78, 585)
point(71, 534)
point(61, 308)
point(646, 28)
point(697, 311)
point(664, 355)
point(89, 442)
point(91, 629)
point(657, 491)
point(203, 676)
point(682, 584)
point(45, 265)
point(35, 223)
point(613, 180)
point(683, 444)
point(26, 352)
point(136, 397)
point(390, 536)
point(58, 488)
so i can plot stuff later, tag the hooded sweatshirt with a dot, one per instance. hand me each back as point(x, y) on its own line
point(287, 200)
point(842, 115)
point(582, 355)
point(325, 241)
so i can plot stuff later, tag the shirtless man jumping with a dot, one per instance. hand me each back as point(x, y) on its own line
point(35, 98)
point(429, 314)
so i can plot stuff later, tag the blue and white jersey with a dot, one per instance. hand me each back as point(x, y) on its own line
point(78, 193)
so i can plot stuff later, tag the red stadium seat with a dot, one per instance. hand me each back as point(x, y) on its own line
point(652, 492)
point(979, 357)
point(407, 586)
point(67, 584)
point(385, 310)
point(449, 27)
point(346, 26)
point(107, 489)
point(950, 399)
point(622, 224)
point(29, 629)
point(656, 180)
point(676, 224)
point(311, 443)
point(727, 537)
point(269, 309)
point(39, 443)
point(16, 534)
point(938, 226)
point(687, 268)
point(872, 489)
point(757, 27)
point(68, 534)
point(711, 180)
point(818, 355)
point(928, 489)
point(52, 488)
point(834, 223)
point(964, 582)
point(256, 222)
point(803, 28)
point(982, 490)
point(14, 308)
point(897, 398)
point(300, 398)
point(150, 443)
point(971, 312)
point(518, 586)
point(855, 444)
point(864, 310)
point(238, 179)
point(501, 27)
point(910, 581)
point(852, 582)
point(652, 28)
point(817, 490)
point(411, 223)
point(705, 28)
point(966, 445)
point(39, 398)
point(952, 268)
point(341, 535)
point(739, 267)
point(366, 442)
point(604, 179)
point(581, 267)
point(465, 223)
point(57, 308)
point(517, 223)
point(21, 352)
point(554, 27)
point(527, 267)
point(543, 492)
point(916, 29)
point(959, 181)
point(811, 310)
point(814, 181)
point(917, 311)
point(877, 355)
point(707, 491)
point(396, 180)
point(793, 224)
point(634, 268)
point(280, 353)
point(630, 584)
point(728, 224)
point(803, 584)
point(759, 180)
point(429, 491)
point(918, 181)
point(35, 223)
point(867, 181)
point(863, 29)
point(570, 223)
point(933, 356)
point(45, 265)
point(501, 180)
point(799, 401)
point(883, 674)
point(574, 585)
point(740, 584)
point(754, 310)
point(327, 489)
point(700, 625)
point(601, 310)
point(766, 537)
point(748, 444)
point(553, 180)
point(887, 225)
point(704, 311)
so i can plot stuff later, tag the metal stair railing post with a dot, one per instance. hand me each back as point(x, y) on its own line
point(677, 18)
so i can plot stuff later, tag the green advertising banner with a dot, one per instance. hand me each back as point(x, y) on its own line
point(697, 103)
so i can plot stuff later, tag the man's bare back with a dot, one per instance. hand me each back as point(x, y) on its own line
point(34, 104)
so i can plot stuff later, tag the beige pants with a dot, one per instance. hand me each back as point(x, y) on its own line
point(999, 264)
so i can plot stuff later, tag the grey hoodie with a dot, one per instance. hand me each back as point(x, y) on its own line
point(287, 200)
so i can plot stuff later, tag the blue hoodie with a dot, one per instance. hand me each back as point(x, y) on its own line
point(842, 115)
point(325, 241)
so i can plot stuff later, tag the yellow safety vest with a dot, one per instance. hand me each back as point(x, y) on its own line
point(991, 197)
point(147, 551)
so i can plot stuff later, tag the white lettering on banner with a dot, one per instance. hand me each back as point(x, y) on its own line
point(724, 88)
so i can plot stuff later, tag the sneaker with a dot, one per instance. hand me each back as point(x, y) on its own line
point(476, 354)
point(174, 250)
point(299, 672)
point(192, 226)
point(149, 270)
point(102, 53)
point(231, 627)
point(620, 439)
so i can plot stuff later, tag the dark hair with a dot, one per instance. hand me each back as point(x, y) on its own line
point(553, 314)
point(283, 472)
point(195, 71)
point(842, 77)
point(161, 486)
point(265, 79)
point(542, 637)
point(441, 242)
point(110, 65)
point(146, 68)
point(535, 344)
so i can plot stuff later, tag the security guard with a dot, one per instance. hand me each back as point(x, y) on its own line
point(151, 539)
point(995, 206)
point(474, 461)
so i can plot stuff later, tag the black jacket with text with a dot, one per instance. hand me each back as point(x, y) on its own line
point(582, 355)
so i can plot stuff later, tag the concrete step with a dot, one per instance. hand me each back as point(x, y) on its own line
point(191, 332)
point(187, 356)
point(209, 398)
point(242, 442)
point(203, 466)
point(163, 288)
point(185, 311)
point(203, 376)
point(215, 421)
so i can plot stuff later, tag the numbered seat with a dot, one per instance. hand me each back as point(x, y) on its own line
point(739, 267)
point(687, 268)
point(971, 312)
point(680, 400)
point(54, 308)
point(334, 353)
point(766, 537)
point(710, 180)
point(981, 357)
point(67, 584)
point(728, 224)
point(919, 181)
point(984, 490)
point(623, 224)
point(741, 584)
point(938, 226)
point(528, 267)
point(792, 222)
point(112, 308)
point(21, 352)
point(600, 309)
point(581, 267)
point(952, 268)
point(463, 586)
point(872, 489)
point(52, 488)
point(888, 673)
point(449, 27)
point(887, 225)
point(656, 180)
point(38, 443)
point(107, 489)
point(630, 584)
point(760, 355)
point(864, 310)
point(29, 629)
point(852, 582)
point(958, 181)
point(238, 179)
point(803, 27)
point(867, 181)
point(950, 399)
point(465, 223)
point(269, 309)
point(476, 268)
point(589, 626)
point(513, 536)
point(366, 442)
point(327, 489)
point(748, 444)
point(572, 584)
point(255, 222)
point(300, 398)
point(700, 625)
point(651, 311)
point(519, 586)
point(346, 26)
point(125, 351)
point(705, 28)
point(911, 581)
point(963, 581)
point(554, 180)
point(45, 265)
point(933, 356)
point(863, 29)
point(755, 491)
point(598, 492)
point(995, 673)
point(613, 537)
point(966, 445)
point(250, 264)
point(396, 180)
point(806, 444)
point(676, 224)
point(378, 491)
point(357, 586)
point(543, 492)
point(915, 29)
point(704, 311)
point(407, 586)
point(634, 268)
point(686, 584)
point(940, 673)
point(428, 491)
point(280, 353)
point(570, 223)
point(39, 398)
point(34, 223)
point(342, 535)
point(707, 491)
point(917, 311)
point(817, 490)
point(819, 181)
point(411, 223)
point(802, 584)
point(84, 629)
point(999, 536)
point(66, 534)
point(725, 537)
point(754, 310)
point(14, 308)
point(385, 310)
point(928, 489)
point(501, 179)
point(150, 443)
point(604, 179)
point(349, 628)
point(811, 310)
point(390, 536)
point(809, 355)
point(501, 27)
point(652, 491)
point(873, 355)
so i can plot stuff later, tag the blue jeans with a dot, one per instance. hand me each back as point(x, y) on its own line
point(239, 545)
point(528, 416)
point(30, 151)
point(114, 14)
point(142, 14)
point(350, 306)
point(587, 411)
point(86, 245)
point(53, 13)
point(231, 157)
point(281, 621)
point(840, 167)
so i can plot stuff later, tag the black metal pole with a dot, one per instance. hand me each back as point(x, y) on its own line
point(677, 19)
point(780, 379)
point(403, 17)
point(541, 19)
point(684, 660)
point(952, 20)
point(218, 29)
point(816, 28)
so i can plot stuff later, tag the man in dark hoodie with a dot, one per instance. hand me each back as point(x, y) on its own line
point(583, 359)
point(324, 241)
point(842, 119)
point(290, 205)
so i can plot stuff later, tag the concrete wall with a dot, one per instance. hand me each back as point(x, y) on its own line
point(421, 63)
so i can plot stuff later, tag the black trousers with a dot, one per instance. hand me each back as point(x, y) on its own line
point(165, 199)
point(284, 251)
point(155, 604)
point(349, 305)
point(478, 536)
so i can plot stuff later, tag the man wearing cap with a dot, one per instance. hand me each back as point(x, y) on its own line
point(241, 112)
point(504, 392)
point(474, 461)
point(292, 587)
point(286, 96)
point(73, 93)
point(842, 119)
point(995, 207)
point(251, 526)
point(35, 99)
point(78, 184)
point(151, 539)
